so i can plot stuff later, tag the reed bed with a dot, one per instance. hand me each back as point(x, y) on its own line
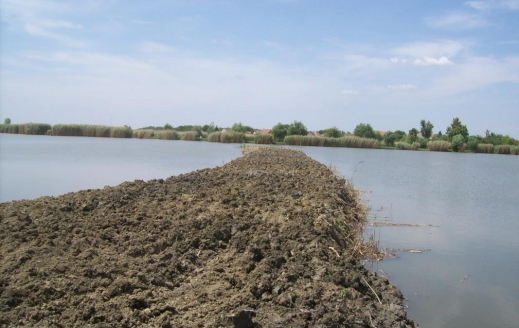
point(514, 150)
point(265, 139)
point(144, 134)
point(439, 145)
point(89, 130)
point(168, 135)
point(190, 136)
point(251, 138)
point(26, 128)
point(120, 132)
point(485, 148)
point(503, 149)
point(345, 142)
point(226, 137)
point(402, 146)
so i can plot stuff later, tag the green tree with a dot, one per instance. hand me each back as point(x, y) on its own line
point(473, 142)
point(457, 128)
point(399, 135)
point(364, 131)
point(332, 132)
point(297, 128)
point(167, 126)
point(7, 121)
point(389, 139)
point(412, 136)
point(209, 128)
point(238, 127)
point(280, 131)
point(426, 129)
point(457, 142)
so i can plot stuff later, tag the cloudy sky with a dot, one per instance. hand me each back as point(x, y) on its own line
point(260, 62)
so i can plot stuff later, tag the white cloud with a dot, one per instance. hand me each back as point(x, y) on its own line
point(349, 92)
point(446, 48)
point(34, 17)
point(397, 60)
point(428, 61)
point(510, 4)
point(479, 5)
point(35, 30)
point(457, 21)
point(402, 87)
point(488, 5)
point(476, 73)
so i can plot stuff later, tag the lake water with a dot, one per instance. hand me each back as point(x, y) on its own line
point(472, 201)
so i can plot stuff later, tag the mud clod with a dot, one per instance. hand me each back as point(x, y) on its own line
point(270, 239)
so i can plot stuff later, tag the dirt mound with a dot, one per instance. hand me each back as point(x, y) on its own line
point(267, 240)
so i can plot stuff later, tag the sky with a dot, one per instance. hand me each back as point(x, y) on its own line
point(325, 63)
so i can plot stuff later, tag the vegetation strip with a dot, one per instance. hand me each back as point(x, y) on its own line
point(270, 239)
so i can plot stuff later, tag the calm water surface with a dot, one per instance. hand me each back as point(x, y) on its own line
point(472, 199)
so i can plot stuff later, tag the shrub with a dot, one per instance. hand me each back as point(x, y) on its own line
point(402, 145)
point(457, 142)
point(422, 143)
point(416, 145)
point(472, 143)
point(438, 145)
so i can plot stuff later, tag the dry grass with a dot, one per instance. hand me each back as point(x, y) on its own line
point(265, 139)
point(439, 145)
point(144, 134)
point(345, 142)
point(27, 128)
point(88, 130)
point(485, 148)
point(168, 135)
point(190, 136)
point(226, 137)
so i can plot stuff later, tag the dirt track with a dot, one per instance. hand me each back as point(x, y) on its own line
point(266, 240)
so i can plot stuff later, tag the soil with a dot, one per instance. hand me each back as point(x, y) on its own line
point(268, 240)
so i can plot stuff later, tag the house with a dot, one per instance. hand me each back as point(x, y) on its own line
point(265, 131)
point(315, 134)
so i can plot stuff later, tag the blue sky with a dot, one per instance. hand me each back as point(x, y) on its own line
point(325, 63)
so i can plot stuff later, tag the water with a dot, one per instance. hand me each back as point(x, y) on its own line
point(473, 199)
point(34, 166)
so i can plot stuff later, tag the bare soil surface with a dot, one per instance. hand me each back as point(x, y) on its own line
point(267, 240)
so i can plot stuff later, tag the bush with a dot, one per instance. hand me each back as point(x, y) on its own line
point(457, 143)
point(422, 143)
point(402, 145)
point(472, 143)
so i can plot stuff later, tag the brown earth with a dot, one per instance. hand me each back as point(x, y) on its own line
point(267, 240)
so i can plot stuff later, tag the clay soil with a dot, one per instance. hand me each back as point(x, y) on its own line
point(270, 239)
